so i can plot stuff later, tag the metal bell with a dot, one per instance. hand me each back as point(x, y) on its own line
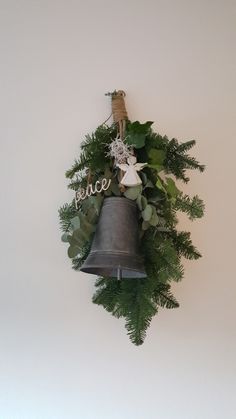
point(115, 248)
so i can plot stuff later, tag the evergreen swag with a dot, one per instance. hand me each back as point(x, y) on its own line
point(158, 200)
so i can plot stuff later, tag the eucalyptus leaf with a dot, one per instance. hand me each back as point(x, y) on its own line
point(141, 202)
point(64, 237)
point(93, 201)
point(73, 241)
point(92, 216)
point(159, 185)
point(147, 213)
point(108, 191)
point(144, 178)
point(154, 218)
point(75, 222)
point(115, 189)
point(98, 202)
point(83, 221)
point(87, 203)
point(86, 229)
point(78, 238)
point(133, 192)
point(82, 236)
point(149, 184)
point(73, 251)
point(145, 225)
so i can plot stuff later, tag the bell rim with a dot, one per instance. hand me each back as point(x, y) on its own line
point(142, 274)
point(93, 270)
point(94, 264)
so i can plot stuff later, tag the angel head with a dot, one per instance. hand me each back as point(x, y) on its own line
point(131, 160)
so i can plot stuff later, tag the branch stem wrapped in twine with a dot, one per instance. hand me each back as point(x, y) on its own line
point(119, 112)
point(120, 117)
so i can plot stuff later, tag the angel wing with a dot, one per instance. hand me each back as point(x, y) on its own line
point(139, 166)
point(123, 167)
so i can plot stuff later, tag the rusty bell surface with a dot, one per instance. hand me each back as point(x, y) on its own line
point(115, 249)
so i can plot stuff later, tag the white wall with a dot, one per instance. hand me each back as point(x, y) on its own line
point(61, 357)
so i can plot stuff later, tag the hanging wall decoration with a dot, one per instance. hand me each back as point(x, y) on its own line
point(122, 222)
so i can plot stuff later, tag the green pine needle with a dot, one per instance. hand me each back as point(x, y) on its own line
point(194, 207)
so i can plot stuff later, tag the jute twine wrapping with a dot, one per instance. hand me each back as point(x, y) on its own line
point(118, 106)
point(119, 111)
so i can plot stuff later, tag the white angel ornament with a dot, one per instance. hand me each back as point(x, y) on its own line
point(131, 177)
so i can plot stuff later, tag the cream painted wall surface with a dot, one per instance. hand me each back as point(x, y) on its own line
point(61, 357)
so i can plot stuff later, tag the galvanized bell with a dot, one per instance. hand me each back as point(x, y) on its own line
point(115, 249)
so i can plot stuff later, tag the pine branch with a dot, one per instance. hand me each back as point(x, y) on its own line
point(79, 260)
point(74, 185)
point(107, 294)
point(177, 162)
point(183, 244)
point(194, 207)
point(77, 263)
point(192, 163)
point(66, 213)
point(140, 311)
point(76, 167)
point(186, 146)
point(82, 182)
point(161, 258)
point(94, 151)
point(128, 298)
point(167, 300)
point(164, 297)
